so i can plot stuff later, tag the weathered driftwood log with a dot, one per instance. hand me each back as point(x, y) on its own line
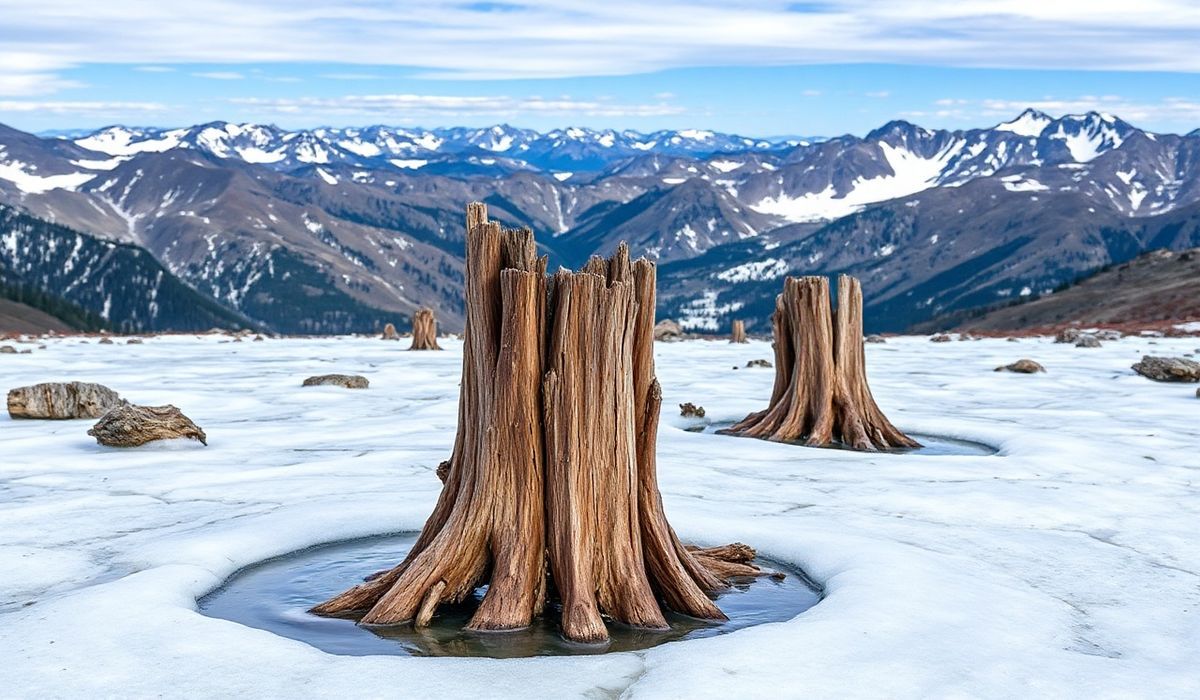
point(424, 330)
point(61, 400)
point(348, 381)
point(821, 395)
point(738, 333)
point(552, 475)
point(128, 425)
point(389, 333)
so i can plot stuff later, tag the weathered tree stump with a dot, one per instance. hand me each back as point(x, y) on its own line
point(424, 330)
point(552, 475)
point(738, 333)
point(821, 395)
point(389, 333)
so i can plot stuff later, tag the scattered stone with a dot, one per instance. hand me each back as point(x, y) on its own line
point(758, 363)
point(1023, 367)
point(62, 401)
point(1087, 340)
point(1013, 340)
point(128, 425)
point(1067, 335)
point(1109, 334)
point(966, 336)
point(874, 338)
point(237, 339)
point(7, 350)
point(134, 341)
point(668, 330)
point(1168, 369)
point(349, 381)
point(691, 410)
point(940, 338)
point(258, 338)
point(106, 341)
point(389, 333)
point(26, 352)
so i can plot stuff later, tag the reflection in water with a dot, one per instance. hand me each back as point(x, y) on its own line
point(276, 595)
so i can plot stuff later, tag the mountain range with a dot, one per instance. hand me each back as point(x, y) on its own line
point(340, 229)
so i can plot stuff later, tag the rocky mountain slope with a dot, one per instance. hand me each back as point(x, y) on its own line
point(369, 219)
point(1154, 288)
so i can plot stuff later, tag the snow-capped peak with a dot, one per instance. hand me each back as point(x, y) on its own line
point(1029, 123)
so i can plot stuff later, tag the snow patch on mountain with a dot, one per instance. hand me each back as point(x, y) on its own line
point(757, 271)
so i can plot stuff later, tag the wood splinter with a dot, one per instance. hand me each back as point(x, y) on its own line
point(552, 475)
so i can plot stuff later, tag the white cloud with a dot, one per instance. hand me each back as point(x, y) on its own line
point(410, 106)
point(550, 38)
point(220, 75)
point(154, 69)
point(85, 107)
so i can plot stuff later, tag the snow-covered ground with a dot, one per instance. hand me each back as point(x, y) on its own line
point(1066, 566)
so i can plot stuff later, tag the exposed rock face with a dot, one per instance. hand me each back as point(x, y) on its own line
point(1168, 369)
point(1022, 367)
point(758, 363)
point(940, 338)
point(873, 338)
point(349, 381)
point(1067, 335)
point(1087, 340)
point(62, 400)
point(668, 330)
point(691, 410)
point(128, 425)
point(389, 333)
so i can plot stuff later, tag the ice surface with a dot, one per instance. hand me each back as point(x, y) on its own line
point(1065, 566)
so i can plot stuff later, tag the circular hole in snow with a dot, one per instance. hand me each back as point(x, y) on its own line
point(275, 595)
point(931, 445)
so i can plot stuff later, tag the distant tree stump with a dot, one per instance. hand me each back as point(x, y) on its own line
point(738, 333)
point(552, 475)
point(424, 330)
point(821, 395)
point(389, 333)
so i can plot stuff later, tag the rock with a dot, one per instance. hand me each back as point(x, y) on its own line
point(691, 410)
point(1109, 334)
point(349, 381)
point(940, 338)
point(966, 336)
point(62, 401)
point(134, 341)
point(238, 339)
point(389, 332)
point(258, 338)
point(1013, 340)
point(1198, 393)
point(128, 425)
point(1087, 340)
point(758, 363)
point(1067, 335)
point(873, 338)
point(668, 330)
point(7, 350)
point(106, 341)
point(1023, 367)
point(1168, 369)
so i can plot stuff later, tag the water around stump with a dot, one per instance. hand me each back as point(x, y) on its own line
point(931, 445)
point(275, 595)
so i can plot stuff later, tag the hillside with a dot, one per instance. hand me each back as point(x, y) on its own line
point(1155, 288)
point(16, 317)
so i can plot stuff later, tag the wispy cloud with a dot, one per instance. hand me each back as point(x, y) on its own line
point(219, 75)
point(154, 69)
point(547, 38)
point(83, 107)
point(410, 106)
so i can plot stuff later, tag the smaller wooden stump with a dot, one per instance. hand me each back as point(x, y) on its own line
point(389, 333)
point(821, 395)
point(424, 330)
point(738, 333)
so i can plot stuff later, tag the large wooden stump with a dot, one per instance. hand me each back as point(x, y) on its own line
point(552, 477)
point(821, 395)
point(424, 330)
point(738, 332)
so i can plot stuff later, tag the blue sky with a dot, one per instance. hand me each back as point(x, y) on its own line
point(761, 68)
